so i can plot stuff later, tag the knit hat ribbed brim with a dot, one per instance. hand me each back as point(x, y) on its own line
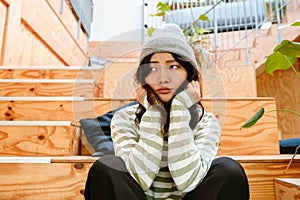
point(168, 38)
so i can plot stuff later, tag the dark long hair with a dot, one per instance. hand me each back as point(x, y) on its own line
point(193, 74)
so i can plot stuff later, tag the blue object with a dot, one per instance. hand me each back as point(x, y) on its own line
point(288, 146)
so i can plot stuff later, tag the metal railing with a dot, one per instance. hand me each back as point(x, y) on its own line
point(232, 21)
point(84, 11)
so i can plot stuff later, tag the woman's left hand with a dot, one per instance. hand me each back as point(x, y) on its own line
point(194, 88)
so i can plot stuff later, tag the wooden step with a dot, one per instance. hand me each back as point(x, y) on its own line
point(232, 113)
point(62, 177)
point(287, 188)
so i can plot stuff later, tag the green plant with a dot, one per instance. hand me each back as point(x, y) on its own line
point(195, 35)
point(283, 57)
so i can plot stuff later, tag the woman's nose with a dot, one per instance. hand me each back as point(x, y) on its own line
point(164, 76)
point(164, 81)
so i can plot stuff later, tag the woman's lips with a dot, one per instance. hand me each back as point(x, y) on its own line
point(164, 90)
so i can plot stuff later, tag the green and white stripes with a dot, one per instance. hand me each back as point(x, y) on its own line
point(170, 168)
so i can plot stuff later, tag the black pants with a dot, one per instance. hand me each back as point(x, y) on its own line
point(108, 179)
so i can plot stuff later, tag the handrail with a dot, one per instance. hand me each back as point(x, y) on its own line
point(253, 15)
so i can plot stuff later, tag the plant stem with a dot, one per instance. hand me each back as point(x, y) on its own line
point(285, 110)
point(292, 66)
point(296, 72)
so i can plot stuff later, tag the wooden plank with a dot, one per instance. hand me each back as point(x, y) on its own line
point(287, 188)
point(3, 18)
point(229, 82)
point(119, 81)
point(50, 72)
point(43, 181)
point(283, 85)
point(49, 28)
point(261, 177)
point(47, 89)
point(36, 110)
point(35, 123)
point(12, 38)
point(69, 21)
point(232, 113)
point(38, 140)
point(65, 177)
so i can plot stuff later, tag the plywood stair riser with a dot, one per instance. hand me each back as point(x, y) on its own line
point(287, 188)
point(66, 177)
point(261, 139)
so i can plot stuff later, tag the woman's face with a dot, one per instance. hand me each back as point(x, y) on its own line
point(166, 76)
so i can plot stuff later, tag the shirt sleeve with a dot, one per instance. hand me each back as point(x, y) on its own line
point(141, 149)
point(190, 152)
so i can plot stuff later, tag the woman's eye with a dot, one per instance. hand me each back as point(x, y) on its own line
point(173, 67)
point(153, 69)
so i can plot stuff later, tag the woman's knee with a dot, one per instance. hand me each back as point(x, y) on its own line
point(108, 163)
point(228, 167)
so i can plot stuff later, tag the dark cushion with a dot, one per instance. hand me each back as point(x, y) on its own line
point(97, 132)
point(288, 146)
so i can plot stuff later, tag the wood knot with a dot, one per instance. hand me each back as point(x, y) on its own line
point(82, 191)
point(78, 165)
point(41, 137)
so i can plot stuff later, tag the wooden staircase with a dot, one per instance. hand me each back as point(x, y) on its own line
point(42, 156)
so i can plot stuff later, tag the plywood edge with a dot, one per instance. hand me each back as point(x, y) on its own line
point(242, 159)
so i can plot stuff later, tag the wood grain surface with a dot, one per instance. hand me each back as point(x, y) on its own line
point(38, 140)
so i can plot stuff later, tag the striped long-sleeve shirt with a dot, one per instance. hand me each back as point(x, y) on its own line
point(166, 169)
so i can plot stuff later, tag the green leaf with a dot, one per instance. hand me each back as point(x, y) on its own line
point(159, 14)
point(288, 48)
point(278, 61)
point(150, 30)
point(254, 118)
point(295, 24)
point(203, 17)
point(163, 7)
point(201, 31)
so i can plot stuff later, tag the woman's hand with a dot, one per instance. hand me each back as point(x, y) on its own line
point(139, 91)
point(194, 88)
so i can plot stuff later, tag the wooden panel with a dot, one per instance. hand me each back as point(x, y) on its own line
point(50, 72)
point(52, 32)
point(261, 177)
point(229, 82)
point(232, 114)
point(65, 177)
point(47, 89)
point(12, 32)
point(3, 14)
point(119, 80)
point(259, 139)
point(222, 82)
point(58, 181)
point(36, 110)
point(68, 19)
point(40, 35)
point(284, 86)
point(287, 188)
point(37, 140)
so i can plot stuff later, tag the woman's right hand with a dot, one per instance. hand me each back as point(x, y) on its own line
point(140, 92)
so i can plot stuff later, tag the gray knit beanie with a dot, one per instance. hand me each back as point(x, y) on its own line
point(168, 38)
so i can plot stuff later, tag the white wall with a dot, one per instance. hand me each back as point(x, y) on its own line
point(117, 20)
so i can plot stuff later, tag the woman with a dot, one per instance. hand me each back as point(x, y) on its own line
point(166, 145)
